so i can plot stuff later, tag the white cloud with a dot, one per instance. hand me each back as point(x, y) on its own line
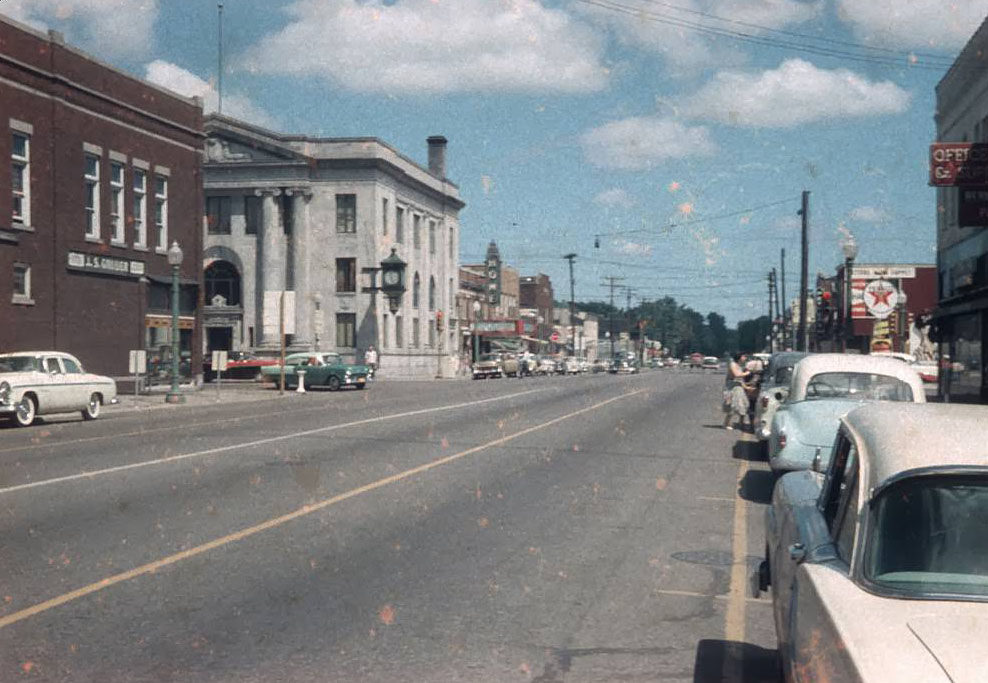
point(795, 93)
point(869, 214)
point(632, 248)
point(639, 143)
point(669, 31)
point(614, 197)
point(929, 24)
point(426, 46)
point(107, 28)
point(186, 83)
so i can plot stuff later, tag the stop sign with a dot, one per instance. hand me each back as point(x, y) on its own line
point(554, 336)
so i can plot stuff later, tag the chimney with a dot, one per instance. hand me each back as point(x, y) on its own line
point(437, 156)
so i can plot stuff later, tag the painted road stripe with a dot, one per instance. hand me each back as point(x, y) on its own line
point(303, 511)
point(734, 620)
point(250, 444)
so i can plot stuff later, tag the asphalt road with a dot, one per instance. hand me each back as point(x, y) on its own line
point(594, 528)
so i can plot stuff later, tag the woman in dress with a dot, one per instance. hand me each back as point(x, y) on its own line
point(735, 397)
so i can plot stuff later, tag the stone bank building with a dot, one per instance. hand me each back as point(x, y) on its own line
point(295, 227)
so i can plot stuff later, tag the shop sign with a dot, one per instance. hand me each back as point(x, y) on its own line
point(495, 326)
point(958, 163)
point(98, 263)
point(972, 209)
point(880, 298)
point(165, 321)
point(883, 272)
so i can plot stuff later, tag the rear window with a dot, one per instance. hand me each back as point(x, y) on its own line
point(18, 364)
point(928, 537)
point(858, 385)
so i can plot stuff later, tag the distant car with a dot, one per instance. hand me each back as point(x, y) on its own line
point(322, 369)
point(879, 569)
point(825, 386)
point(34, 383)
point(488, 366)
point(711, 363)
point(510, 365)
point(775, 381)
point(547, 366)
point(696, 360)
point(599, 365)
point(240, 365)
point(622, 366)
point(571, 366)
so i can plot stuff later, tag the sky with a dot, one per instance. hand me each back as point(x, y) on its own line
point(666, 142)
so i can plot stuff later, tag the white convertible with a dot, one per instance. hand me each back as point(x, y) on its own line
point(36, 383)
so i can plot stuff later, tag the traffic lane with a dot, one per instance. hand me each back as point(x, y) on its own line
point(103, 447)
point(434, 552)
point(100, 526)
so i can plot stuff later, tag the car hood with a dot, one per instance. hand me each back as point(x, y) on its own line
point(814, 423)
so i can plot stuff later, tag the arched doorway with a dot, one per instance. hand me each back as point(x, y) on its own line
point(223, 310)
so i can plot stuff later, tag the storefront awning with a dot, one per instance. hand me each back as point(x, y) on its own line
point(506, 344)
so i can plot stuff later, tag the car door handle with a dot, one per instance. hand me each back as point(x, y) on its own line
point(797, 552)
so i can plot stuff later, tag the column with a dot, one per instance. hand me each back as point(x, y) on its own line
point(301, 259)
point(271, 273)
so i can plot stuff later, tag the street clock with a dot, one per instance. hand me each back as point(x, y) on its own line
point(393, 280)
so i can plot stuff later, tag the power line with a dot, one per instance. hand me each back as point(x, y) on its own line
point(732, 214)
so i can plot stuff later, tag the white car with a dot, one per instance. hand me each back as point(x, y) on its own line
point(34, 383)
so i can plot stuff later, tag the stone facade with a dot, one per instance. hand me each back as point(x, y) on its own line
point(313, 218)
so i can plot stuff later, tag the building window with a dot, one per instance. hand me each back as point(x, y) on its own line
point(432, 334)
point(346, 275)
point(161, 211)
point(346, 327)
point(399, 332)
point(22, 283)
point(117, 203)
point(20, 162)
point(384, 331)
point(218, 215)
point(416, 290)
point(432, 293)
point(452, 248)
point(252, 215)
point(346, 213)
point(384, 216)
point(222, 279)
point(432, 237)
point(399, 225)
point(92, 196)
point(416, 333)
point(140, 208)
point(417, 231)
point(450, 302)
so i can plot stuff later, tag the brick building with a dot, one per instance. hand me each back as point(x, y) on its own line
point(102, 174)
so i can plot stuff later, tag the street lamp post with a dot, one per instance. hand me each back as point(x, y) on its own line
point(850, 249)
point(476, 335)
point(175, 261)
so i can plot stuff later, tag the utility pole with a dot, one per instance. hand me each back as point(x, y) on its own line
point(629, 292)
point(572, 302)
point(219, 59)
point(804, 272)
point(775, 290)
point(785, 305)
point(771, 320)
point(612, 283)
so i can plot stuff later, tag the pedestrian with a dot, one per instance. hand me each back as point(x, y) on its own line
point(370, 360)
point(735, 396)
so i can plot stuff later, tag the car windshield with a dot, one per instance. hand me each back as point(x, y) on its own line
point(858, 385)
point(18, 364)
point(928, 537)
point(332, 359)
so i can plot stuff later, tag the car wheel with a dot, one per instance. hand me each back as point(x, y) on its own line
point(27, 410)
point(91, 411)
point(333, 382)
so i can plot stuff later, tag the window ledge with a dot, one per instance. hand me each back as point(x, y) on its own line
point(347, 294)
point(18, 300)
point(119, 245)
point(160, 250)
point(138, 247)
point(94, 240)
point(21, 227)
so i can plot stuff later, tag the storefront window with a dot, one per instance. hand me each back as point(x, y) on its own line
point(966, 367)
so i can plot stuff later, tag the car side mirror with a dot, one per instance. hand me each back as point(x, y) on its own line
point(797, 552)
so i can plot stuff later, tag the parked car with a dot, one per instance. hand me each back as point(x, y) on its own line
point(321, 369)
point(571, 366)
point(825, 386)
point(710, 363)
point(240, 365)
point(879, 569)
point(623, 366)
point(696, 360)
point(775, 381)
point(599, 365)
point(547, 366)
point(34, 383)
point(509, 364)
point(487, 366)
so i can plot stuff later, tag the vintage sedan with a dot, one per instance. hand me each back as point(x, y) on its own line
point(34, 383)
point(487, 366)
point(879, 569)
point(825, 386)
point(775, 381)
point(322, 369)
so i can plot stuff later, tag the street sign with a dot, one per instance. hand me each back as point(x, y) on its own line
point(554, 337)
point(958, 163)
point(219, 361)
point(137, 362)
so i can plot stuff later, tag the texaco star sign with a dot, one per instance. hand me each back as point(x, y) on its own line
point(881, 298)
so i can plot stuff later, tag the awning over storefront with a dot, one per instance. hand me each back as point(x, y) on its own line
point(506, 344)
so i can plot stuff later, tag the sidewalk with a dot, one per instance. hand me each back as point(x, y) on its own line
point(233, 392)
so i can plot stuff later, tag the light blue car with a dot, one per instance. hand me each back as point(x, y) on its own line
point(824, 387)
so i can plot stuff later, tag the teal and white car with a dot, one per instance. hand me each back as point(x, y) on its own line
point(824, 387)
point(34, 383)
point(322, 369)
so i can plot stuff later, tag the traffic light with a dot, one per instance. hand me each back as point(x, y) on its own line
point(439, 321)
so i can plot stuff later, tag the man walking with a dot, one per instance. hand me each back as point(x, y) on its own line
point(370, 360)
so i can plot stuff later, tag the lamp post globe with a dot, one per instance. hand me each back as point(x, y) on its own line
point(175, 261)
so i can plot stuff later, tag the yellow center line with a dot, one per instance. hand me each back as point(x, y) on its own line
point(304, 511)
point(734, 619)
